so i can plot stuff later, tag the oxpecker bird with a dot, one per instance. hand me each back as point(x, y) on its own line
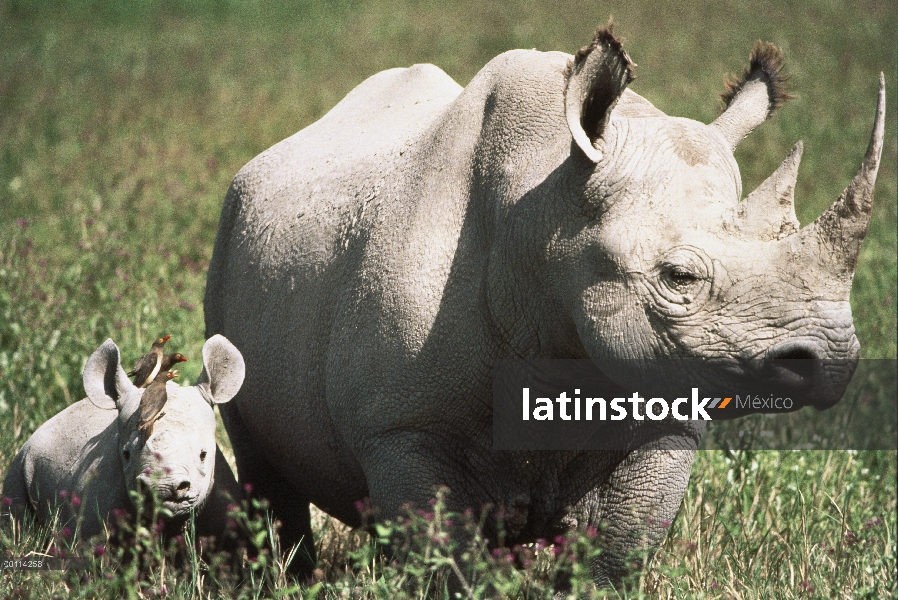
point(149, 365)
point(170, 360)
point(153, 400)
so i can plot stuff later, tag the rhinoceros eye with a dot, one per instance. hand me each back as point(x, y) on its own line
point(126, 454)
point(203, 455)
point(681, 278)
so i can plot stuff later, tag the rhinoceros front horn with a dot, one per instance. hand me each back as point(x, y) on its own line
point(596, 78)
point(835, 238)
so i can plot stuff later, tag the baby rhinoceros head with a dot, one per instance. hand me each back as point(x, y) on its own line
point(174, 460)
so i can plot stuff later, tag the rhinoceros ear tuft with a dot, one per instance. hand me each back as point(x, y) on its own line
point(105, 381)
point(596, 77)
point(749, 100)
point(223, 370)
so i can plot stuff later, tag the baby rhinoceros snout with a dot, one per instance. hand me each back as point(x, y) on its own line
point(176, 490)
point(168, 486)
point(806, 370)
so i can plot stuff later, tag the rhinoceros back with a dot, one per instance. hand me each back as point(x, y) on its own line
point(297, 204)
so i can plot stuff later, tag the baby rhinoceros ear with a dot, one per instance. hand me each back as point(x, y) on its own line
point(223, 370)
point(105, 381)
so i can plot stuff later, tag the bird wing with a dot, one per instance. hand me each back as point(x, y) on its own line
point(156, 368)
point(151, 403)
point(139, 364)
point(147, 368)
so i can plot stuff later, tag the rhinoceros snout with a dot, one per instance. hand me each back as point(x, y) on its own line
point(803, 369)
point(170, 490)
point(793, 366)
point(177, 491)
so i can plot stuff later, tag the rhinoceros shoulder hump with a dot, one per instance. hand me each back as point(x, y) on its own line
point(633, 106)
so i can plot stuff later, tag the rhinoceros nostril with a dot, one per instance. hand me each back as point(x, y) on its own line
point(795, 353)
point(796, 365)
point(184, 486)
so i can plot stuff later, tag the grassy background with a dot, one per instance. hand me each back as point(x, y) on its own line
point(121, 125)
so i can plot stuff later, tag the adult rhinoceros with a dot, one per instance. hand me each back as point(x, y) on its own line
point(372, 267)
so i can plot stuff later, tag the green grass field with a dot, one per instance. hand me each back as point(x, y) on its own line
point(121, 125)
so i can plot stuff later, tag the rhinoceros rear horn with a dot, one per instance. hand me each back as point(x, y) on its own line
point(596, 77)
point(752, 98)
point(835, 238)
point(768, 213)
point(223, 370)
point(105, 381)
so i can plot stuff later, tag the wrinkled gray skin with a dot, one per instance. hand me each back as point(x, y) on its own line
point(93, 448)
point(373, 266)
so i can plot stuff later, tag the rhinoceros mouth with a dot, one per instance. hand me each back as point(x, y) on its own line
point(179, 507)
point(800, 371)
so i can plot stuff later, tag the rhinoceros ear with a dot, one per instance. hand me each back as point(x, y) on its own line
point(105, 381)
point(752, 98)
point(596, 77)
point(223, 370)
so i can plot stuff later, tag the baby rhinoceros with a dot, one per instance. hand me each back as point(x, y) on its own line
point(93, 449)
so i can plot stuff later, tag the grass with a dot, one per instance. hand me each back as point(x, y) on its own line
point(800, 525)
point(121, 125)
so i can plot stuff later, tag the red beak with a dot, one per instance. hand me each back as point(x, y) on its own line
point(166, 338)
point(183, 359)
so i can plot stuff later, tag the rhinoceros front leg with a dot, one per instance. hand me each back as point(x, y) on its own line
point(288, 505)
point(634, 509)
point(406, 470)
